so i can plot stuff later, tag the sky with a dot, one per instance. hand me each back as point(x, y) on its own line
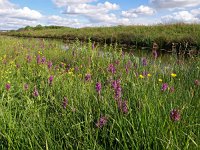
point(15, 14)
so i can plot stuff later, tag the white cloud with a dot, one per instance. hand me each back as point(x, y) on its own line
point(175, 3)
point(5, 4)
point(181, 16)
point(87, 9)
point(141, 10)
point(60, 21)
point(23, 13)
point(63, 3)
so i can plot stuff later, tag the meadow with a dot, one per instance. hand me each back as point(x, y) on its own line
point(163, 34)
point(89, 97)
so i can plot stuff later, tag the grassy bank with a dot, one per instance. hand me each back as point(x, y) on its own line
point(163, 35)
point(86, 99)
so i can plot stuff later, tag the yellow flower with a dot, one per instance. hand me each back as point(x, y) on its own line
point(70, 73)
point(141, 76)
point(160, 80)
point(173, 75)
point(149, 75)
point(80, 75)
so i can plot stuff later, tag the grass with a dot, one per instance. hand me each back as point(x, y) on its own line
point(31, 121)
point(163, 35)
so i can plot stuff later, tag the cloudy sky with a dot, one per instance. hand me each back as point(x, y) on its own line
point(15, 14)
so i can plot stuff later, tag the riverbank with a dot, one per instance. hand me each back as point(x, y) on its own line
point(139, 36)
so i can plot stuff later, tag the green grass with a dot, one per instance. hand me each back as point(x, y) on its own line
point(163, 35)
point(29, 122)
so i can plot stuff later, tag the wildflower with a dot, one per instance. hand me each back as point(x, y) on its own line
point(155, 54)
point(101, 122)
point(35, 92)
point(50, 80)
point(117, 88)
point(171, 89)
point(50, 64)
point(141, 76)
point(88, 77)
point(197, 82)
point(144, 73)
point(144, 61)
point(111, 68)
point(164, 86)
point(25, 86)
point(98, 87)
point(124, 107)
point(173, 75)
point(38, 59)
point(28, 58)
point(65, 102)
point(175, 115)
point(8, 86)
point(43, 60)
point(149, 75)
point(160, 80)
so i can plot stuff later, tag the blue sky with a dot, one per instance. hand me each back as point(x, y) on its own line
point(15, 14)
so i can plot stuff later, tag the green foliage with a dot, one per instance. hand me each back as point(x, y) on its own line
point(41, 122)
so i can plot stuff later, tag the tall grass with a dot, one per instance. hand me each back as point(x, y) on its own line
point(164, 35)
point(66, 111)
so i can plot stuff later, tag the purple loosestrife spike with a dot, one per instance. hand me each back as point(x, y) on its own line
point(35, 92)
point(155, 54)
point(28, 58)
point(88, 77)
point(175, 115)
point(164, 86)
point(38, 59)
point(197, 82)
point(43, 60)
point(111, 68)
point(145, 73)
point(124, 107)
point(50, 80)
point(25, 86)
point(65, 102)
point(50, 64)
point(144, 61)
point(98, 87)
point(101, 122)
point(8, 86)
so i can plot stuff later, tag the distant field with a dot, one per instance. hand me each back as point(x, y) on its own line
point(163, 35)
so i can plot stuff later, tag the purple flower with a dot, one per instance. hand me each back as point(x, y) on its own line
point(164, 86)
point(124, 107)
point(88, 77)
point(25, 86)
point(35, 92)
point(117, 88)
point(101, 122)
point(197, 82)
point(175, 115)
point(43, 60)
point(65, 102)
point(8, 86)
point(28, 58)
point(145, 73)
point(50, 64)
point(111, 68)
point(38, 59)
point(50, 80)
point(171, 89)
point(98, 87)
point(144, 61)
point(155, 54)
